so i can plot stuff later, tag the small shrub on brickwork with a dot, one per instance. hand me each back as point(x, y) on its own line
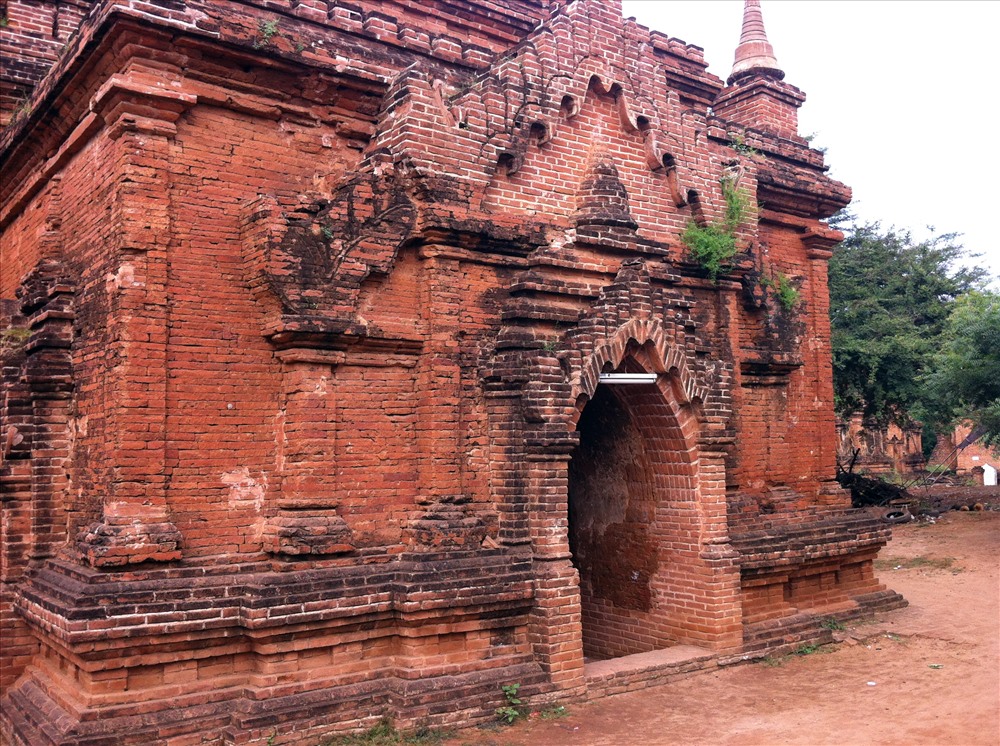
point(267, 31)
point(832, 624)
point(14, 338)
point(714, 245)
point(785, 292)
point(512, 711)
point(788, 294)
point(739, 144)
point(738, 208)
point(810, 138)
point(22, 109)
point(711, 246)
point(385, 734)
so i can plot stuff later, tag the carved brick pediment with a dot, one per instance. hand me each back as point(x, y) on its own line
point(459, 161)
point(484, 129)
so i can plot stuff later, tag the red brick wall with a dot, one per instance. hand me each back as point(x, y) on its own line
point(58, 224)
point(222, 380)
point(33, 34)
point(787, 441)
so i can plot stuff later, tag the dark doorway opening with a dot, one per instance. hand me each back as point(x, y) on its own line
point(612, 516)
point(635, 527)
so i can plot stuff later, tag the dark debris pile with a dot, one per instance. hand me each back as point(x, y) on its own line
point(866, 491)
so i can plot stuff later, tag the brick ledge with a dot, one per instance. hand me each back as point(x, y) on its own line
point(641, 670)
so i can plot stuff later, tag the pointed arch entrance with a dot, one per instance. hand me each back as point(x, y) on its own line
point(634, 525)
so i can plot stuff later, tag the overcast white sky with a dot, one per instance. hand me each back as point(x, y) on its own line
point(902, 94)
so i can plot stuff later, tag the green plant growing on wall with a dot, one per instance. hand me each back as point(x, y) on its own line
point(22, 109)
point(714, 245)
point(785, 292)
point(512, 711)
point(267, 31)
point(711, 246)
point(810, 138)
point(739, 144)
point(788, 294)
point(14, 338)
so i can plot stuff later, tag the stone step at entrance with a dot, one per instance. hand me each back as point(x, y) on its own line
point(631, 672)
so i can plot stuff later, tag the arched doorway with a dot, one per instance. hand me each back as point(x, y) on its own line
point(633, 522)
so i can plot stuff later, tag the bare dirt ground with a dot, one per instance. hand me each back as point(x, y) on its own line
point(927, 674)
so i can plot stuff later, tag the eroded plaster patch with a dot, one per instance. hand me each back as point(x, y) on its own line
point(245, 492)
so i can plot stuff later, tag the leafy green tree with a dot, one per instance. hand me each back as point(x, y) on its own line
point(890, 299)
point(964, 375)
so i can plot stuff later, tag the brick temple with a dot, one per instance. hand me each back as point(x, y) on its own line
point(355, 362)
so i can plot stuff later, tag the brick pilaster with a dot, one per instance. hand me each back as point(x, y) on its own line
point(139, 109)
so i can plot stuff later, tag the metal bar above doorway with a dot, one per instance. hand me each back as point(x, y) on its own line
point(628, 378)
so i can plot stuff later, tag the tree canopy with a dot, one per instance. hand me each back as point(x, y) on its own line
point(964, 375)
point(890, 302)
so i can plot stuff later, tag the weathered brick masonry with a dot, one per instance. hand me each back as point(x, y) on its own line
point(305, 305)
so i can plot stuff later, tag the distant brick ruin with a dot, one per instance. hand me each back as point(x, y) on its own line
point(308, 310)
point(963, 451)
point(879, 447)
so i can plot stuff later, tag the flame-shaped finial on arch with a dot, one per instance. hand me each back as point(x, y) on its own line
point(754, 55)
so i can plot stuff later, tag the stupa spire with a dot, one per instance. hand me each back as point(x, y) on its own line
point(754, 53)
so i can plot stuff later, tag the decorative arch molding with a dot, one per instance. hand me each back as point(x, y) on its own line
point(633, 312)
point(646, 342)
point(667, 358)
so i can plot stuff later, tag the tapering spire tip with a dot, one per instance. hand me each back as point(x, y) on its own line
point(754, 53)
